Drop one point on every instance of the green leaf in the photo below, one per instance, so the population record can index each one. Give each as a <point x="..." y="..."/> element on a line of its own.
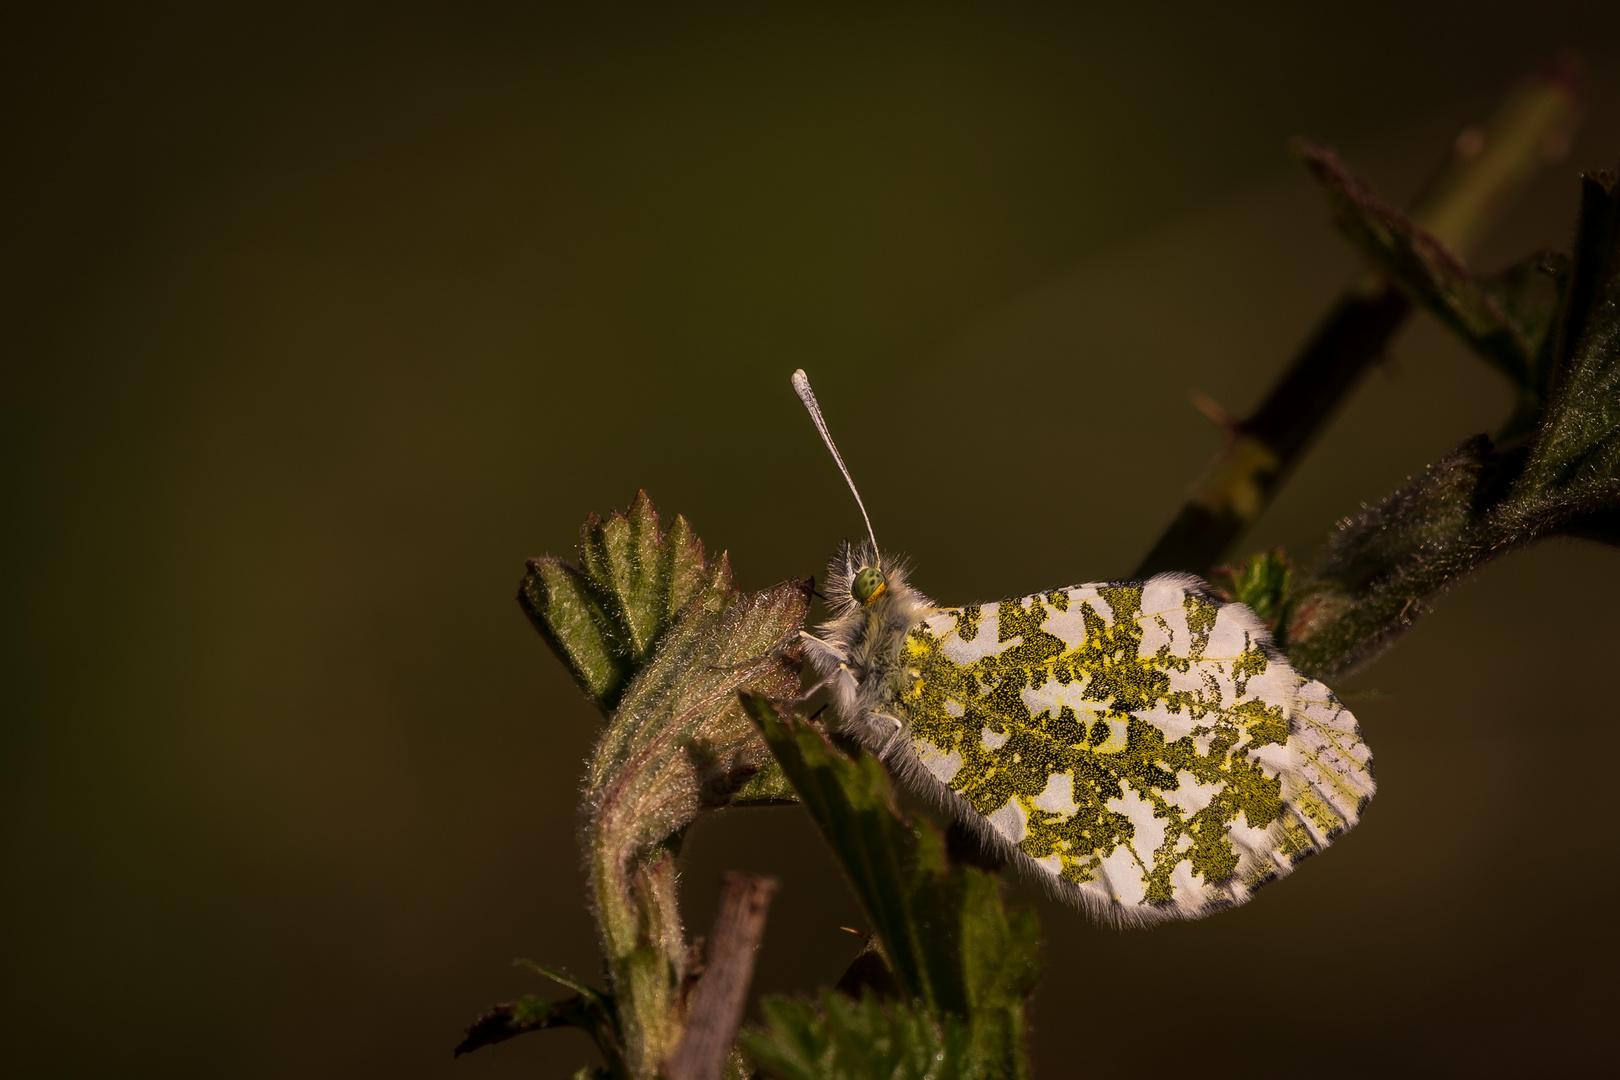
<point x="1580" y="438"/>
<point x="898" y="869"/>
<point x="588" y="1009"/>
<point x="1264" y="582"/>
<point x="535" y="1013"/>
<point x="605" y="617"/>
<point x="562" y="978"/>
<point x="526" y="1014"/>
<point x="1385" y="569"/>
<point x="1425" y="268"/>
<point x="768" y="787"/>
<point x="1378" y="575"/>
<point x="841" y="1038"/>
<point x="869" y="972"/>
<point x="1000" y="963"/>
<point x="1417" y="522"/>
<point x="949" y="942"/>
<point x="1530" y="293"/>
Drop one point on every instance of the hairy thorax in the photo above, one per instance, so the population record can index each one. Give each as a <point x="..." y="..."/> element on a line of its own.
<point x="867" y="679"/>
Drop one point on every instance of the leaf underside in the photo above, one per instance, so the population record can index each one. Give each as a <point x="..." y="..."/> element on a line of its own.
<point x="953" y="950"/>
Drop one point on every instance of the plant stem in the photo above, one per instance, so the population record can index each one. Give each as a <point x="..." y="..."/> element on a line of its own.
<point x="644" y="946"/>
<point x="722" y="993"/>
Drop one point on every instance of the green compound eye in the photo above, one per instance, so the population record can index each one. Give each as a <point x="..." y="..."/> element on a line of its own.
<point x="869" y="585"/>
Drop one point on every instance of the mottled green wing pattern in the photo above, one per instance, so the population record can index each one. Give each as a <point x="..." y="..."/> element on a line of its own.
<point x="1140" y="743"/>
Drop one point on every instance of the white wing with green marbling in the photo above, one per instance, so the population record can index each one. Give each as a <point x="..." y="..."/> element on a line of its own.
<point x="1140" y="743"/>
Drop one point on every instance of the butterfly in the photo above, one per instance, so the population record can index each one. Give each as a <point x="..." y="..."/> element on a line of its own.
<point x="1140" y="747"/>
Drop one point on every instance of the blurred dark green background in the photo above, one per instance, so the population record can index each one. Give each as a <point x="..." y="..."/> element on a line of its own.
<point x="319" y="320"/>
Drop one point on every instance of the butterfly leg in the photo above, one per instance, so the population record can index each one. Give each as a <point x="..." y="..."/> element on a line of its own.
<point x="827" y="654"/>
<point x="888" y="743"/>
<point x="841" y="672"/>
<point x="823" y="649"/>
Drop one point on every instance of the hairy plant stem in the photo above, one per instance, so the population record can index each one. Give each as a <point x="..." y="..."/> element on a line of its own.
<point x="643" y="944"/>
<point x="677" y="744"/>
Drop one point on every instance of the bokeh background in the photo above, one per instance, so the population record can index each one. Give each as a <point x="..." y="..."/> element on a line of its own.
<point x="320" y="319"/>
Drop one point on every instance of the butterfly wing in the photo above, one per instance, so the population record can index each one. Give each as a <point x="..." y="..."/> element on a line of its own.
<point x="1141" y="744"/>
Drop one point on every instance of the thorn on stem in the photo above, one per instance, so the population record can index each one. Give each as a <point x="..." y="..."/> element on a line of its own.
<point x="1217" y="413"/>
<point x="1469" y="142"/>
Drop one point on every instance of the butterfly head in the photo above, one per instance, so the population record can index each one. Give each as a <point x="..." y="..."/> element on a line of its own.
<point x="869" y="585"/>
<point x="861" y="579"/>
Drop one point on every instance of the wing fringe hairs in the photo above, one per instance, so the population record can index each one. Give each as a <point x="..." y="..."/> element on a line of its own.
<point x="1140" y="748"/>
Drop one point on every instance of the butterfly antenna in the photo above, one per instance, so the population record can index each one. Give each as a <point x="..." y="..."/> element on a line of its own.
<point x="801" y="386"/>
